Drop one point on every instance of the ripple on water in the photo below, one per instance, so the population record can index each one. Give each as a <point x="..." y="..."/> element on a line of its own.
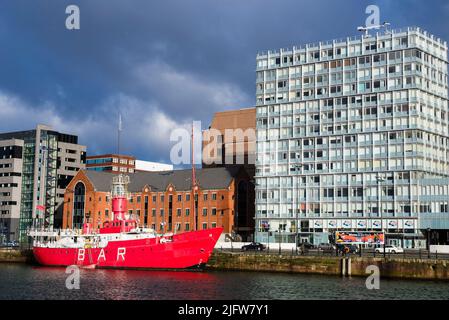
<point x="25" y="282"/>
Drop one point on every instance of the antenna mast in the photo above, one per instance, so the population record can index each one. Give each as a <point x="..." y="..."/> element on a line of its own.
<point x="367" y="28"/>
<point x="118" y="132"/>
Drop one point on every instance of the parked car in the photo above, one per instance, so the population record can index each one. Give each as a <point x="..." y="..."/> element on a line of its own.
<point x="10" y="244"/>
<point x="347" y="248"/>
<point x="254" y="246"/>
<point x="326" y="247"/>
<point x="307" y="245"/>
<point x="389" y="249"/>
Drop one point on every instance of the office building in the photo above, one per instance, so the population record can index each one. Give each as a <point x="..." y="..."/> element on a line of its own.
<point x="118" y="163"/>
<point x="35" y="168"/>
<point x="352" y="134"/>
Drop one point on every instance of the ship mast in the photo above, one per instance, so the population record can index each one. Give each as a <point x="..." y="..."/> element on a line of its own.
<point x="119" y="129"/>
<point x="195" y="222"/>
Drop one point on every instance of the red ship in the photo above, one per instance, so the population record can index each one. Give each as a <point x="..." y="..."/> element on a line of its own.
<point x="121" y="243"/>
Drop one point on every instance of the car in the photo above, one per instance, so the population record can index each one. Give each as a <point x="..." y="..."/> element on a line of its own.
<point x="326" y="247"/>
<point x="257" y="246"/>
<point x="307" y="245"/>
<point x="347" y="248"/>
<point x="389" y="249"/>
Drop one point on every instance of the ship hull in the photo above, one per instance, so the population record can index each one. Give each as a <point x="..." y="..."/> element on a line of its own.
<point x="190" y="250"/>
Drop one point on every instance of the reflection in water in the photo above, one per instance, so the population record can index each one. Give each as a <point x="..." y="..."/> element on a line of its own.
<point x="25" y="282"/>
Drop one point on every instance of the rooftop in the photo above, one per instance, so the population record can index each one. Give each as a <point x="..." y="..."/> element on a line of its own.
<point x="356" y="38"/>
<point x="207" y="178"/>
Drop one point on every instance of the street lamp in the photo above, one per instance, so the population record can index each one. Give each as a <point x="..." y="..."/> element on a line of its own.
<point x="379" y="207"/>
<point x="279" y="240"/>
<point x="297" y="166"/>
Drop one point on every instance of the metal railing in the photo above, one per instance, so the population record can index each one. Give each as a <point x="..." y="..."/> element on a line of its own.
<point x="274" y="249"/>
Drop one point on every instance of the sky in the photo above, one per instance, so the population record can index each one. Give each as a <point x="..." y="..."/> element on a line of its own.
<point x="161" y="64"/>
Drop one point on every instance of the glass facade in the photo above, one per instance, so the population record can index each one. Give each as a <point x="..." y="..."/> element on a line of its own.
<point x="26" y="206"/>
<point x="352" y="134"/>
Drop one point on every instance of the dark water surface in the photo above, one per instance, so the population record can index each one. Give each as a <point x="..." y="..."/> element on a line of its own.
<point x="19" y="281"/>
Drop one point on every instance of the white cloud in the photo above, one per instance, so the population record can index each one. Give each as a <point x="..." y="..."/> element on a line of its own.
<point x="146" y="129"/>
<point x="146" y="124"/>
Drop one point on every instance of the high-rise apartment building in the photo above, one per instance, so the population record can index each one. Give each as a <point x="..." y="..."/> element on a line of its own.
<point x="353" y="135"/>
<point x="35" y="168"/>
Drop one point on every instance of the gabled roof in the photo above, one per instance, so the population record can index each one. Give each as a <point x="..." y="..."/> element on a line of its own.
<point x="207" y="178"/>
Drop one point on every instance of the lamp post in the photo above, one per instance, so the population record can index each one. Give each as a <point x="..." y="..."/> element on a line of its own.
<point x="297" y="167"/>
<point x="279" y="240"/>
<point x="379" y="197"/>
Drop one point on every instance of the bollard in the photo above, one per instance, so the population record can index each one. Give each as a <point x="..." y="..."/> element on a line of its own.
<point x="343" y="266"/>
<point x="348" y="268"/>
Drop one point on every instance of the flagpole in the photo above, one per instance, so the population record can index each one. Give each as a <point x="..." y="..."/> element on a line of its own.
<point x="118" y="133"/>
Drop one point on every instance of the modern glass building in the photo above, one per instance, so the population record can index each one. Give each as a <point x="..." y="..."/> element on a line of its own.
<point x="35" y="168"/>
<point x="352" y="134"/>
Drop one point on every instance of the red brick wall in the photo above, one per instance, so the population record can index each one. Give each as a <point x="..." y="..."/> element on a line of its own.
<point x="96" y="204"/>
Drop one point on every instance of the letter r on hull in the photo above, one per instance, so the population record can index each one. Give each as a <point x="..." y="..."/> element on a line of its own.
<point x="121" y="253"/>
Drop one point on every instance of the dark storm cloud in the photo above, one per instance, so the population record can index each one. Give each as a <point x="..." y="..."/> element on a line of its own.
<point x="173" y="60"/>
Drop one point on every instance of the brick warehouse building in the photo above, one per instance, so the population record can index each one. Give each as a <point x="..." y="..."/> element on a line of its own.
<point x="157" y="197"/>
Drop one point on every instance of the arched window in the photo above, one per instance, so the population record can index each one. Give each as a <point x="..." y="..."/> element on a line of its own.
<point x="78" y="205"/>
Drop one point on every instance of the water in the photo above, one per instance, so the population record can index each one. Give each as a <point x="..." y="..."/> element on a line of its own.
<point x="19" y="281"/>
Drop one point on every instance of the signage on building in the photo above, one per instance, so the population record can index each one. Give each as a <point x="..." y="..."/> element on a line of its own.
<point x="359" y="237"/>
<point x="332" y="224"/>
<point x="361" y="224"/>
<point x="408" y="224"/>
<point x="392" y="224"/>
<point x="377" y="224"/>
<point x="346" y="224"/>
<point x="318" y="224"/>
<point x="265" y="225"/>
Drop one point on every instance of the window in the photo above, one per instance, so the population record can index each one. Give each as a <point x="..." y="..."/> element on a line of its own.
<point x="205" y="197"/>
<point x="178" y="212"/>
<point x="179" y="198"/>
<point x="214" y="196"/>
<point x="161" y="212"/>
<point x="187" y="227"/>
<point x="204" y="226"/>
<point x="153" y="212"/>
<point x="187" y="212"/>
<point x="214" y="211"/>
<point x="204" y="212"/>
<point x="187" y="197"/>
